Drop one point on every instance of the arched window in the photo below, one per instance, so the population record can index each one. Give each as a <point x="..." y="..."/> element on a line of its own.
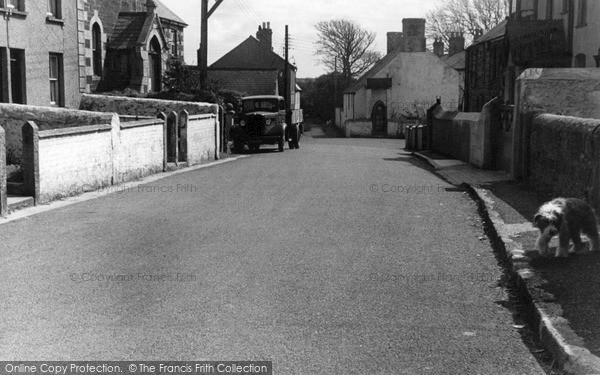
<point x="155" y="64"/>
<point x="580" y="61"/>
<point x="97" y="49"/>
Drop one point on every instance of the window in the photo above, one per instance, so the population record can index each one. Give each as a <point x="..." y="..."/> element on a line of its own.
<point x="565" y="6"/>
<point x="17" y="75"/>
<point x="56" y="79"/>
<point x="16" y="4"/>
<point x="580" y="61"/>
<point x="582" y="13"/>
<point x="97" y="49"/>
<point x="549" y="9"/>
<point x="175" y="49"/>
<point x="54" y="8"/>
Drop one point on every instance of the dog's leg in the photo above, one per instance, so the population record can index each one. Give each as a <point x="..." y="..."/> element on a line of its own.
<point x="590" y="230"/>
<point x="578" y="245"/>
<point x="562" y="251"/>
<point x="542" y="243"/>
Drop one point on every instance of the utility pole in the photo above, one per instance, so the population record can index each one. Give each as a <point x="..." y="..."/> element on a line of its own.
<point x="286" y="78"/>
<point x="203" y="50"/>
<point x="335" y="90"/>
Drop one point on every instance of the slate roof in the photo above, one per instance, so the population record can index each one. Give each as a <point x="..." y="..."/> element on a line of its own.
<point x="127" y="30"/>
<point x="497" y="32"/>
<point x="362" y="81"/>
<point x="164" y="12"/>
<point x="457" y="61"/>
<point x="250" y="54"/>
<point x="247" y="82"/>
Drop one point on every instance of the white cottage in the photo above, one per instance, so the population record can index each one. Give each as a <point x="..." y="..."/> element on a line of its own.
<point x="400" y="87"/>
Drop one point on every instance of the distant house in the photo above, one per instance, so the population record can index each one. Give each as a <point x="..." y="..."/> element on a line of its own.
<point x="400" y="87"/>
<point x="87" y="44"/>
<point x="253" y="68"/>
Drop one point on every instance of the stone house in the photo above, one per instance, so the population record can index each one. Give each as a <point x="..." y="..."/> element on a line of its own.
<point x="400" y="87"/>
<point x="538" y="34"/>
<point x="50" y="55"/>
<point x="252" y="68"/>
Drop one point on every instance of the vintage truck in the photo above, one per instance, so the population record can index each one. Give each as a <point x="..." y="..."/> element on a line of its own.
<point x="262" y="120"/>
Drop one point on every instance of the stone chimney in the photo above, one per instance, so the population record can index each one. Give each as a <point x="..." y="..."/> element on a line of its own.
<point x="438" y="47"/>
<point x="150" y="6"/>
<point x="413" y="32"/>
<point x="456" y="43"/>
<point x="394" y="41"/>
<point x="265" y="35"/>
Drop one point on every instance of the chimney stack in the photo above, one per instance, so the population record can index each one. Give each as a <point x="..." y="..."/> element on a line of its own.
<point x="394" y="41"/>
<point x="413" y="35"/>
<point x="265" y="35"/>
<point x="438" y="47"/>
<point x="456" y="43"/>
<point x="150" y="6"/>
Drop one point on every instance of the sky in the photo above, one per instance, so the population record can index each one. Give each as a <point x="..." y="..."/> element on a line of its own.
<point x="235" y="20"/>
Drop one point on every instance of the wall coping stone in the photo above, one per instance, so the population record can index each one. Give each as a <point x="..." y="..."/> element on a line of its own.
<point x="141" y="123"/>
<point x="74" y="130"/>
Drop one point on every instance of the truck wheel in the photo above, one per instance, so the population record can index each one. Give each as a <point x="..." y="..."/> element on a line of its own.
<point x="238" y="147"/>
<point x="281" y="144"/>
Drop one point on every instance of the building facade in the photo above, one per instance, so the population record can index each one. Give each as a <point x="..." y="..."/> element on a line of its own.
<point x="538" y="34"/>
<point x="403" y="84"/>
<point x="253" y="68"/>
<point x="52" y="51"/>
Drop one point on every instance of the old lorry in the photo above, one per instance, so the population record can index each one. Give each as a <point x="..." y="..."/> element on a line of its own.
<point x="264" y="119"/>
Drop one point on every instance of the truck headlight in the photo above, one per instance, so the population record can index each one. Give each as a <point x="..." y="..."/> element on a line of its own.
<point x="268" y="122"/>
<point x="242" y="123"/>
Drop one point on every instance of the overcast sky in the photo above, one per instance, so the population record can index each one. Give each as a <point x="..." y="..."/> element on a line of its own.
<point x="235" y="20"/>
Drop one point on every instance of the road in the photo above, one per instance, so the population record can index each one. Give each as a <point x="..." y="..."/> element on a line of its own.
<point x="347" y="256"/>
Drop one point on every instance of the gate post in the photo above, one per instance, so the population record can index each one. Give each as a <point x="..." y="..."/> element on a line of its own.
<point x="172" y="123"/>
<point x="182" y="130"/>
<point x="30" y="162"/>
<point x="163" y="117"/>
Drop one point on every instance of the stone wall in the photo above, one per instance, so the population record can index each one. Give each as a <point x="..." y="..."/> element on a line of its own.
<point x="138" y="149"/>
<point x="451" y="133"/>
<point x="567" y="92"/>
<point x="201" y="135"/>
<point x="564" y="156"/>
<point x="13" y="116"/>
<point x="143" y="107"/>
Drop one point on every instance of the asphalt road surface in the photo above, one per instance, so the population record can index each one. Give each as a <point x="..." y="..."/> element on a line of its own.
<point x="344" y="257"/>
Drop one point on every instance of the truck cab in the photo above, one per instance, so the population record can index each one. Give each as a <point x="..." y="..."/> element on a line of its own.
<point x="262" y="120"/>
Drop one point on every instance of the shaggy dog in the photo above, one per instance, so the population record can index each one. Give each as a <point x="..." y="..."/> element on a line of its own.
<point x="566" y="217"/>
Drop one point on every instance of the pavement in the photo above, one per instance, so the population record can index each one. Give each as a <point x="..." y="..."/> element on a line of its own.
<point x="564" y="292"/>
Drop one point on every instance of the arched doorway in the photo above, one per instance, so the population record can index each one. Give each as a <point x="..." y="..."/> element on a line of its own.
<point x="379" y="119"/>
<point x="155" y="65"/>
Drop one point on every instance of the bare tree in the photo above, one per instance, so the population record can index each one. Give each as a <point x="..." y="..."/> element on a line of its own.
<point x="468" y="16"/>
<point x="349" y="44"/>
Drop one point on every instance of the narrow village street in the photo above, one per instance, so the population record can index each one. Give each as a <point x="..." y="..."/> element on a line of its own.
<point x="347" y="256"/>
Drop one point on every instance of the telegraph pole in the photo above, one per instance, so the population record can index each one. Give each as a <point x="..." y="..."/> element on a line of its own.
<point x="203" y="50"/>
<point x="335" y="90"/>
<point x="286" y="71"/>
